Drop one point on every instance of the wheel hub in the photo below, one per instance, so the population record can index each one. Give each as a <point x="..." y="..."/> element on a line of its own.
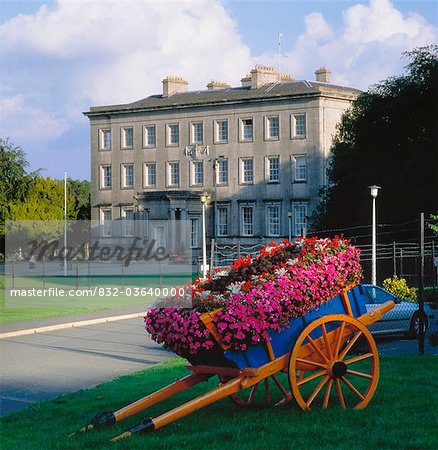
<point x="338" y="369"/>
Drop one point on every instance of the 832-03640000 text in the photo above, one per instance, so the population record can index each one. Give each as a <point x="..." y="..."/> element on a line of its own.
<point x="101" y="292"/>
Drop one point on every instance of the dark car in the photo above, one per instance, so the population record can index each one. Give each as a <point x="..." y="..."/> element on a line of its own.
<point x="404" y="318"/>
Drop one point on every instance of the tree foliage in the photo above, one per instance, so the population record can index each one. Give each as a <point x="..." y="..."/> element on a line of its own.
<point x="82" y="193"/>
<point x="388" y="137"/>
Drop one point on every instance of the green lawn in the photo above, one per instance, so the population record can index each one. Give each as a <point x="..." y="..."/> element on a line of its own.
<point x="400" y="416"/>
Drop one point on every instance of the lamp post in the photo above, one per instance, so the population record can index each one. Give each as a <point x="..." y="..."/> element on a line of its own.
<point x="289" y="218"/>
<point x="204" y="200"/>
<point x="374" y="192"/>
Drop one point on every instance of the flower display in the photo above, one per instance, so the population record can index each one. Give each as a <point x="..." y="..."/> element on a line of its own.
<point x="257" y="295"/>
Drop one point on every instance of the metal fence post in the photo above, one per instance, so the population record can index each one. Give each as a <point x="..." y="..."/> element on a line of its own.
<point x="421" y="290"/>
<point x="394" y="259"/>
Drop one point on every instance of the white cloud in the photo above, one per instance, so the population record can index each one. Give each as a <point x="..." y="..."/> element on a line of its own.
<point x="364" y="49"/>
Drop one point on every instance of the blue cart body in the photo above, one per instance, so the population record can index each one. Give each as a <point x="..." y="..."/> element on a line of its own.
<point x="283" y="342"/>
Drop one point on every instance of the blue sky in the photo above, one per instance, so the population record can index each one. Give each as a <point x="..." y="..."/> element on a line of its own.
<point x="61" y="57"/>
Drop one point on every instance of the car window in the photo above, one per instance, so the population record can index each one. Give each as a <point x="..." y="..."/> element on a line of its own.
<point x="378" y="295"/>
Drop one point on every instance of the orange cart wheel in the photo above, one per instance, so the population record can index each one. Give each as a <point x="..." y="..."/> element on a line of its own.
<point x="338" y="361"/>
<point x="271" y="391"/>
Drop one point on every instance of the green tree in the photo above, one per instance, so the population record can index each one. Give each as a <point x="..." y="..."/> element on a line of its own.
<point x="434" y="225"/>
<point x="389" y="138"/>
<point x="82" y="193"/>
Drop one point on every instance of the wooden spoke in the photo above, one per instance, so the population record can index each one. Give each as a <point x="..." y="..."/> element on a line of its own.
<point x="267" y="393"/>
<point x="350" y="345"/>
<point x="352" y="388"/>
<point x="338" y="340"/>
<point x="360" y="374"/>
<point x="311" y="377"/>
<point x="251" y="395"/>
<point x="311" y="363"/>
<point x="340" y="394"/>
<point x="326" y="343"/>
<point x="316" y="348"/>
<point x="316" y="391"/>
<point x="280" y="386"/>
<point x="327" y="393"/>
<point x="358" y="358"/>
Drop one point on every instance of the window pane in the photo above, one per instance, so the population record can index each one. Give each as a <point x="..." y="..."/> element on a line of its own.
<point x="128" y="137"/>
<point x="300" y="168"/>
<point x="151" y="174"/>
<point x="273" y="220"/>
<point x="198" y="172"/>
<point x="247" y="129"/>
<point x="194" y="233"/>
<point x="106" y="222"/>
<point x="106" y="139"/>
<point x="222" y="221"/>
<point x="174" y="134"/>
<point x="150" y="136"/>
<point x="128" y="222"/>
<point x="222" y="171"/>
<point x="300" y="125"/>
<point x="222" y="130"/>
<point x="273" y="127"/>
<point x="128" y="175"/>
<point x="198" y="133"/>
<point x="174" y="173"/>
<point x="247" y="220"/>
<point x="300" y="213"/>
<point x="106" y="174"/>
<point x="273" y="169"/>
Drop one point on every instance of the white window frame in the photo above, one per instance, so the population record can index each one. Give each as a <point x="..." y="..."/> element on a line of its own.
<point x="219" y="182"/>
<point x="146" y="136"/>
<point x="146" y="174"/>
<point x="170" y="164"/>
<point x="242" y="137"/>
<point x="298" y="225"/>
<point x="269" y="171"/>
<point x="107" y="230"/>
<point x="217" y="137"/>
<point x="194" y="173"/>
<point x="102" y="177"/>
<point x="194" y="232"/>
<point x="128" y="225"/>
<point x="268" y="135"/>
<point x="299" y="170"/>
<point x="243" y="207"/>
<point x="124" y="145"/>
<point x="296" y="134"/>
<point x="226" y="208"/>
<point x="103" y="141"/>
<point x="169" y="142"/>
<point x="270" y="225"/>
<point x="124" y="176"/>
<point x="243" y="171"/>
<point x="194" y="139"/>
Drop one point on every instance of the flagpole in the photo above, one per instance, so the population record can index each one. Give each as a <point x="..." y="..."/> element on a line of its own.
<point x="280" y="35"/>
<point x="65" y="224"/>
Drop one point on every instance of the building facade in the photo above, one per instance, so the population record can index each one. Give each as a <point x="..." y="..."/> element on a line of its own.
<point x="258" y="153"/>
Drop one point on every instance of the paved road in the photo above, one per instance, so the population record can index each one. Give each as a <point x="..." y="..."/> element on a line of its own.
<point x="42" y="366"/>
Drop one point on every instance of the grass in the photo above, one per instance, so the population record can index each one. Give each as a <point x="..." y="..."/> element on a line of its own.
<point x="19" y="309"/>
<point x="400" y="416"/>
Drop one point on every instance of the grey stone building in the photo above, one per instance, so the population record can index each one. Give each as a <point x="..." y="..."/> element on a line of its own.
<point x="258" y="152"/>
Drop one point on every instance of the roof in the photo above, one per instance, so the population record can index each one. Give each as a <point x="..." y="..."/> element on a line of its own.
<point x="268" y="92"/>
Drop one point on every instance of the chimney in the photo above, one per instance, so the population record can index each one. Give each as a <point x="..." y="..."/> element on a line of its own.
<point x="262" y="75"/>
<point x="174" y="85"/>
<point x="323" y="75"/>
<point x="246" y="80"/>
<point x="214" y="85"/>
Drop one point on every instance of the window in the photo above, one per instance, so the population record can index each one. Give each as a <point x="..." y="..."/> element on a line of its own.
<point x="106" y="222"/>
<point x="150" y="136"/>
<point x="299" y="125"/>
<point x="173" y="173"/>
<point x="222" y="221"/>
<point x="173" y="134"/>
<point x="222" y="171"/>
<point x="273" y="220"/>
<point x="247" y="220"/>
<point x="128" y="221"/>
<point x="194" y="233"/>
<point x="299" y="211"/>
<point x="105" y="139"/>
<point x="106" y="177"/>
<point x="197" y="133"/>
<point x="127" y="137"/>
<point x="221" y="131"/>
<point x="300" y="168"/>
<point x="273" y="169"/>
<point x="247" y="170"/>
<point x="150" y="174"/>
<point x="272" y="128"/>
<point x="127" y="176"/>
<point x="197" y="175"/>
<point x="246" y="130"/>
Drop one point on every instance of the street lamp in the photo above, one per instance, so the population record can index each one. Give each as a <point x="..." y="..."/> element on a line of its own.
<point x="289" y="217"/>
<point x="374" y="192"/>
<point x="204" y="199"/>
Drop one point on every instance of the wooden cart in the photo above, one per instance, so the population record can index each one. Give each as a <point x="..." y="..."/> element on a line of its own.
<point x="328" y="356"/>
